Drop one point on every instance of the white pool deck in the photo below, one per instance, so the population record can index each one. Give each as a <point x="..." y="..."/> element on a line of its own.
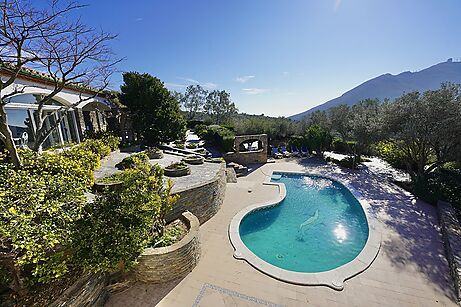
<point x="409" y="270"/>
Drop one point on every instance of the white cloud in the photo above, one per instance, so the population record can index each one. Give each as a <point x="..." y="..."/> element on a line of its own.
<point x="210" y="85"/>
<point x="175" y="85"/>
<point x="337" y="5"/>
<point x="190" y="80"/>
<point x="206" y="85"/>
<point x="286" y="73"/>
<point x="255" y="91"/>
<point x="139" y="19"/>
<point x="244" y="79"/>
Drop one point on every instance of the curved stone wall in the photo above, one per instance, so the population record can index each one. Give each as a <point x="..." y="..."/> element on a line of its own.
<point x="158" y="265"/>
<point x="202" y="200"/>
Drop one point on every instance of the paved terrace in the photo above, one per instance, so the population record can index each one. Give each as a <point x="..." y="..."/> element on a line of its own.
<point x="410" y="269"/>
<point x="200" y="174"/>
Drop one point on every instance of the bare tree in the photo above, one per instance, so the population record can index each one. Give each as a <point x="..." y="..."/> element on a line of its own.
<point x="50" y="40"/>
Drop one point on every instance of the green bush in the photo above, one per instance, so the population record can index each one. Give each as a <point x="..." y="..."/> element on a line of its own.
<point x="95" y="146"/>
<point x="191" y="146"/>
<point x="76" y="163"/>
<point x="347" y="162"/>
<point x="390" y="153"/>
<point x="133" y="160"/>
<point x="37" y="212"/>
<point x="227" y="143"/>
<point x="440" y="185"/>
<point x="338" y="145"/>
<point x="118" y="225"/>
<point x="179" y="145"/>
<point x="108" y="138"/>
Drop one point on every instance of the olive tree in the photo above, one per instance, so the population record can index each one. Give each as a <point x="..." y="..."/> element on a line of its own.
<point x="365" y="125"/>
<point x="219" y="106"/>
<point x="318" y="139"/>
<point x="427" y="128"/>
<point x="193" y="100"/>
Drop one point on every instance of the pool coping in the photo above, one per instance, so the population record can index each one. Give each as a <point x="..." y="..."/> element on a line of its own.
<point x="334" y="278"/>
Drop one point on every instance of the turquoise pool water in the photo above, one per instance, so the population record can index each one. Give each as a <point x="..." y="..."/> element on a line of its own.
<point x="319" y="226"/>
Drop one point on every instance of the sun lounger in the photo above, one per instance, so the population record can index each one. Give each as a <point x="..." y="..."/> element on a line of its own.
<point x="295" y="152"/>
<point x="283" y="150"/>
<point x="304" y="151"/>
<point x="275" y="153"/>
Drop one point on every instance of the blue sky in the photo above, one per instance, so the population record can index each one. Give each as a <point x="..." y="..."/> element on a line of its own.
<point x="278" y="57"/>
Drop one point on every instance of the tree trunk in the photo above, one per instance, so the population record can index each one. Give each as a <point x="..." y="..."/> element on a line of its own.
<point x="9" y="142"/>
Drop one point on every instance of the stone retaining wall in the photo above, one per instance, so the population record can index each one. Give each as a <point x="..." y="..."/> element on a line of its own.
<point x="203" y="200"/>
<point x="451" y="233"/>
<point x="159" y="265"/>
<point x="88" y="290"/>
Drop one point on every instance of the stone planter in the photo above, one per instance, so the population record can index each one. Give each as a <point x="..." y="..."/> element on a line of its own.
<point x="194" y="160"/>
<point x="163" y="264"/>
<point x="177" y="172"/>
<point x="100" y="186"/>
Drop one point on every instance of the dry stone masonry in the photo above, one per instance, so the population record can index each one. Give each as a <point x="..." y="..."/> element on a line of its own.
<point x="451" y="233"/>
<point x="159" y="265"/>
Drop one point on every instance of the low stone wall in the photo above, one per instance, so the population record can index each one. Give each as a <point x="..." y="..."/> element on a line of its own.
<point x="451" y="233"/>
<point x="241" y="156"/>
<point x="88" y="290"/>
<point x="203" y="200"/>
<point x="159" y="265"/>
<point x="246" y="158"/>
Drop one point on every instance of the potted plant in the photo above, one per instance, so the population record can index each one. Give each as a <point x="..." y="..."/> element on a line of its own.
<point x="133" y="160"/>
<point x="177" y="169"/>
<point x="112" y="182"/>
<point x="154" y="153"/>
<point x="193" y="159"/>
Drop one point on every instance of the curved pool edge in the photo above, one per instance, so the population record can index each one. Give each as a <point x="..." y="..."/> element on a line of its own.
<point x="334" y="278"/>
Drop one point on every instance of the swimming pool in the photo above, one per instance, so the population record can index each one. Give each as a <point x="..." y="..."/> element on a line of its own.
<point x="318" y="232"/>
<point x="319" y="226"/>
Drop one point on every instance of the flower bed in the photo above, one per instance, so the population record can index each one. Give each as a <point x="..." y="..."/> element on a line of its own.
<point x="154" y="153"/>
<point x="163" y="264"/>
<point x="194" y="160"/>
<point x="177" y="169"/>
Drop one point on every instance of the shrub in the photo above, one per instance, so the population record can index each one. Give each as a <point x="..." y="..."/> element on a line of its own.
<point x="77" y="164"/>
<point x="191" y="146"/>
<point x="390" y="153"/>
<point x="133" y="160"/>
<point x="442" y="184"/>
<point x="179" y="145"/>
<point x="118" y="225"/>
<point x="95" y="146"/>
<point x="347" y="162"/>
<point x="108" y="138"/>
<point x="341" y="146"/>
<point x="37" y="213"/>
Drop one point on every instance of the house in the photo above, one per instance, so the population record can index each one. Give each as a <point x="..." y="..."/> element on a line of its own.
<point x="82" y="116"/>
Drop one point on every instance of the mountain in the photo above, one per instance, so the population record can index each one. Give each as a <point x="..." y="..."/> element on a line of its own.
<point x="393" y="86"/>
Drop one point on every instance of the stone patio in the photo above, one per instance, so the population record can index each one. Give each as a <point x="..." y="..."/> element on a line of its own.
<point x="410" y="269"/>
<point x="199" y="173"/>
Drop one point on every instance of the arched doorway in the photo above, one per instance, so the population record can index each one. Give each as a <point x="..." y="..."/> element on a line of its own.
<point x="22" y="115"/>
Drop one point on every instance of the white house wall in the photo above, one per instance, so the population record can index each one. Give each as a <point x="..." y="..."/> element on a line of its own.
<point x="66" y="96"/>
